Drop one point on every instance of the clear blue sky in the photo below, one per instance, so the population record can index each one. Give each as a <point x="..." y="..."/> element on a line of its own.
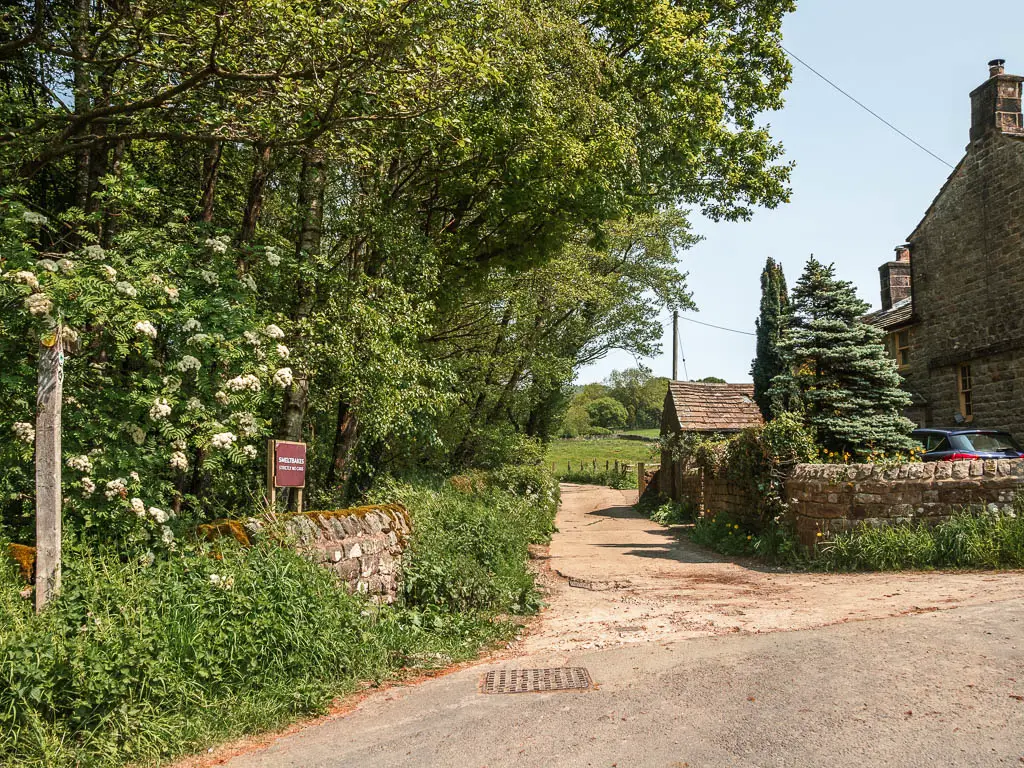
<point x="858" y="188"/>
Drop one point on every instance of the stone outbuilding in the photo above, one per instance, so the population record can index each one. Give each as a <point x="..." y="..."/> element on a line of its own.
<point x="703" y="409"/>
<point x="953" y="297"/>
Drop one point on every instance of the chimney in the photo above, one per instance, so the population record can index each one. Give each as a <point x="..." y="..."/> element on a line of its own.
<point x="996" y="104"/>
<point x="895" y="277"/>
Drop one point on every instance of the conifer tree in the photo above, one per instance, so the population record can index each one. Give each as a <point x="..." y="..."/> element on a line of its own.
<point x="848" y="385"/>
<point x="771" y="323"/>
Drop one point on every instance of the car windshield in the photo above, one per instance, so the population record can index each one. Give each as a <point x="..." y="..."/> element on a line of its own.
<point x="990" y="441"/>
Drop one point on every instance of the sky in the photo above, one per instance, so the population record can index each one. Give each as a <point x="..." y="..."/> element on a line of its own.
<point x="859" y="189"/>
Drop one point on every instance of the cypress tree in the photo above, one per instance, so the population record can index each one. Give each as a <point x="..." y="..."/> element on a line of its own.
<point x="848" y="385"/>
<point x="771" y="323"/>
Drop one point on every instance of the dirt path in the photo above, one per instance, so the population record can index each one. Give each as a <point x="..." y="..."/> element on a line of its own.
<point x="615" y="577"/>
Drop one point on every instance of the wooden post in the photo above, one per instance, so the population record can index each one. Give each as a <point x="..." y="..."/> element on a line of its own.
<point x="595" y="465"/>
<point x="606" y="463"/>
<point x="640" y="477"/>
<point x="298" y="500"/>
<point x="568" y="465"/>
<point x="49" y="394"/>
<point x="616" y="465"/>
<point x="271" y="485"/>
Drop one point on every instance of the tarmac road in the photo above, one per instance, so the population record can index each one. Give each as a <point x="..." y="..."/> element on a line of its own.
<point x="699" y="661"/>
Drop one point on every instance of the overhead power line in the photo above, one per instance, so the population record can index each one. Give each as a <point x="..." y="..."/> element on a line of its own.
<point x="866" y="108"/>
<point x="719" y="327"/>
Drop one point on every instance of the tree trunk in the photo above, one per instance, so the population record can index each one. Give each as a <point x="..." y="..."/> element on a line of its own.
<point x="346" y="435"/>
<point x="81" y="88"/>
<point x="257" y="185"/>
<point x="211" y="165"/>
<point x="112" y="215"/>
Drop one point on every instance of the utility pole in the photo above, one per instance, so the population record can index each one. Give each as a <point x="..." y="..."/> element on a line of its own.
<point x="49" y="394"/>
<point x="675" y="345"/>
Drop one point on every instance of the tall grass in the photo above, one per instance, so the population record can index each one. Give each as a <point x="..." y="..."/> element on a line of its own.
<point x="140" y="662"/>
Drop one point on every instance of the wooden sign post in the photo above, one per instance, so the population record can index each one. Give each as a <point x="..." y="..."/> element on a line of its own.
<point x="286" y="468"/>
<point x="49" y="394"/>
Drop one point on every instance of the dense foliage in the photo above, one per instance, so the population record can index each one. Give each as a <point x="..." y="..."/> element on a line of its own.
<point x="640" y="394"/>
<point x="391" y="229"/>
<point x="145" y="659"/>
<point x="838" y="371"/>
<point x="771" y="322"/>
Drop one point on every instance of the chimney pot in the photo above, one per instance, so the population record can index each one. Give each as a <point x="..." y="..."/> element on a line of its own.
<point x="903" y="253"/>
<point x="996" y="67"/>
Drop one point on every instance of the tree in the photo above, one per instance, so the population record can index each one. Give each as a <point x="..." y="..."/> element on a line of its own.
<point x="848" y="386"/>
<point x="607" y="412"/>
<point x="711" y="380"/>
<point x="771" y="324"/>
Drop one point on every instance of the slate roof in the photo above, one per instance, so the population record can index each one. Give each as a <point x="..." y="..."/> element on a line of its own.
<point x="713" y="407"/>
<point x="890" y="319"/>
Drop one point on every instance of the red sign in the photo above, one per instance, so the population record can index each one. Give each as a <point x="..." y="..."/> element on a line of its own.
<point x="289" y="465"/>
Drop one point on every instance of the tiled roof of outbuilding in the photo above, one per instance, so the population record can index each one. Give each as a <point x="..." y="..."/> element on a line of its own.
<point x="704" y="407"/>
<point x="887" y="319"/>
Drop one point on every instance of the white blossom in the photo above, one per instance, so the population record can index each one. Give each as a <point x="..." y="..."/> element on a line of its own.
<point x="249" y="283"/>
<point x="137" y="434"/>
<point x="80" y="463"/>
<point x="283" y="352"/>
<point x="189" y="363"/>
<point x="147" y="559"/>
<point x="198" y="339"/>
<point x="109" y="272"/>
<point x="138" y="507"/>
<point x="37" y="304"/>
<point x="28" y="278"/>
<point x="24" y="431"/>
<point x="66" y="265"/>
<point x="246" y="381"/>
<point x="36" y="219"/>
<point x="222" y="440"/>
<point x="70" y="337"/>
<point x="283" y="377"/>
<point x="249" y="451"/>
<point x="172" y="293"/>
<point x="179" y="461"/>
<point x="88" y="486"/>
<point x="222" y="397"/>
<point x="154" y="279"/>
<point x="209" y="277"/>
<point x="116" y="487"/>
<point x="218" y="244"/>
<point x="273" y="332"/>
<point x="167" y="536"/>
<point x="222" y="582"/>
<point x="48" y="264"/>
<point x="134" y="476"/>
<point x="191" y="325"/>
<point x="127" y="289"/>
<point x="178" y="444"/>
<point x="247" y="424"/>
<point x="273" y="257"/>
<point x="161" y="409"/>
<point x="94" y="251"/>
<point x="252" y="337"/>
<point x="146" y="328"/>
<point x="158" y="514"/>
<point x="194" y="404"/>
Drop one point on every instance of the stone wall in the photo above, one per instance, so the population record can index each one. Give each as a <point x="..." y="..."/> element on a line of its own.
<point x="711" y="495"/>
<point x="832" y="498"/>
<point x="363" y="546"/>
<point x="967" y="262"/>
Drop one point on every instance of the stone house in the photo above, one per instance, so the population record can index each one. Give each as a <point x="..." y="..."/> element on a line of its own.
<point x="703" y="409"/>
<point x="953" y="297"/>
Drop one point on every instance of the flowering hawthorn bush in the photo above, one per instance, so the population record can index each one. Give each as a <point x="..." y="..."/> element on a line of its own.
<point x="171" y="371"/>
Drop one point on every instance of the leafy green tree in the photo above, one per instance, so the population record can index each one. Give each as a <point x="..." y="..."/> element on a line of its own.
<point x="771" y="323"/>
<point x="848" y="386"/>
<point x="607" y="412"/>
<point x="711" y="380"/>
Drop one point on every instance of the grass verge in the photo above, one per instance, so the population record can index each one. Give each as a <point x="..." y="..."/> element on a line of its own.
<point x="141" y="661"/>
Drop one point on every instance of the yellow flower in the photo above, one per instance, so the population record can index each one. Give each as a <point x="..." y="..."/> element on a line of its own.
<point x="819" y="534"/>
<point x="736" y="527"/>
<point x="749" y="538"/>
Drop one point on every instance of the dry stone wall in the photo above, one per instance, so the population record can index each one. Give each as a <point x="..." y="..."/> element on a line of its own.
<point x="831" y="498"/>
<point x="363" y="546"/>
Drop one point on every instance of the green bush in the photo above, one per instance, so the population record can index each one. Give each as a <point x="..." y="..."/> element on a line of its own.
<point x="672" y="513"/>
<point x="142" y="660"/>
<point x="774" y="543"/>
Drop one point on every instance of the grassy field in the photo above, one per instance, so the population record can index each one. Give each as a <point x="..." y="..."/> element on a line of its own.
<point x="561" y="452"/>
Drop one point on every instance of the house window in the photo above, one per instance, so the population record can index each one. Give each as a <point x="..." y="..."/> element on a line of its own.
<point x="966" y="393"/>
<point x="902" y="345"/>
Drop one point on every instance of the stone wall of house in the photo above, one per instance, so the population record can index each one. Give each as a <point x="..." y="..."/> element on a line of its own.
<point x="967" y="261"/>
<point x="363" y="546"/>
<point x="830" y="498"/>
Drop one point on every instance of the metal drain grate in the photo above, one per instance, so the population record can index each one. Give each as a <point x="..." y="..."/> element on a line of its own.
<point x="536" y="680"/>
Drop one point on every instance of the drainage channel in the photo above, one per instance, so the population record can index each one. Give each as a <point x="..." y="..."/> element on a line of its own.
<point x="551" y="680"/>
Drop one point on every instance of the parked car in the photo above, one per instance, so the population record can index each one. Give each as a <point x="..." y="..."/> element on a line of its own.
<point x="957" y="444"/>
